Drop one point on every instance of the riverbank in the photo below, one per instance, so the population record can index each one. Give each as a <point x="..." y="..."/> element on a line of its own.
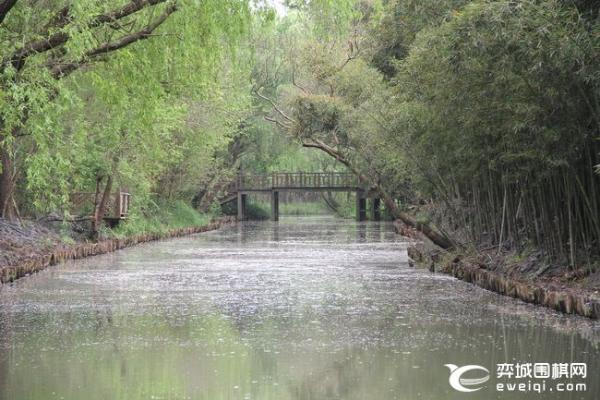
<point x="28" y="247"/>
<point x="524" y="278"/>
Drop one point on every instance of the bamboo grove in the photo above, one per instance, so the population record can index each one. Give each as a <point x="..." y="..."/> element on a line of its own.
<point x="484" y="112"/>
<point x="514" y="124"/>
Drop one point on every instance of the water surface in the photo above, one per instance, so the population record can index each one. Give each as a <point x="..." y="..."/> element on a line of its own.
<point x="307" y="308"/>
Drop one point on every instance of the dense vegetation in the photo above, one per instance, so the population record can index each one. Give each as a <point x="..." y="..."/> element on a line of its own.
<point x="485" y="114"/>
<point x="99" y="95"/>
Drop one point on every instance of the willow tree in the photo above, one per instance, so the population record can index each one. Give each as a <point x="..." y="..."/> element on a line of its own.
<point x="49" y="48"/>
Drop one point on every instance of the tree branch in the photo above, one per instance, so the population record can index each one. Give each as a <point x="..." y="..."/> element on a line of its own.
<point x="295" y="83"/>
<point x="5" y="7"/>
<point x="60" y="70"/>
<point x="318" y="144"/>
<point x="277" y="122"/>
<point x="18" y="58"/>
<point x="131" y="8"/>
<point x="134" y="37"/>
<point x="275" y="107"/>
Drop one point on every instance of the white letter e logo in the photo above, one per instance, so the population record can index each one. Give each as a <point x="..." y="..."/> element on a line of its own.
<point x="459" y="383"/>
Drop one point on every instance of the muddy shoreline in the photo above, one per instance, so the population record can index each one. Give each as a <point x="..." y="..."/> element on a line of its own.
<point x="60" y="253"/>
<point x="560" y="296"/>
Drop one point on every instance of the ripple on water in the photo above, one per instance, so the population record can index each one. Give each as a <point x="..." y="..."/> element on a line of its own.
<point x="321" y="307"/>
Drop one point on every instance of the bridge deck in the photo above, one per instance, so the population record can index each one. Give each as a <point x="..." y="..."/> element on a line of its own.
<point x="321" y="181"/>
<point x="299" y="181"/>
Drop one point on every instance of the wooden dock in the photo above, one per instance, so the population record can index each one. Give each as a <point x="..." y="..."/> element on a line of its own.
<point x="117" y="206"/>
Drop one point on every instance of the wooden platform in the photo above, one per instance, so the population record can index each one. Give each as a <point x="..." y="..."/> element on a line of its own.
<point x="117" y="207"/>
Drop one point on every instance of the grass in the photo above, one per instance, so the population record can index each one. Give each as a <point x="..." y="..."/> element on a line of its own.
<point x="308" y="208"/>
<point x="160" y="219"/>
<point x="258" y="211"/>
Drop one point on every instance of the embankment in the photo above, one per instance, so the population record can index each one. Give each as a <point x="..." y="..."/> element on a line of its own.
<point x="560" y="296"/>
<point x="61" y="253"/>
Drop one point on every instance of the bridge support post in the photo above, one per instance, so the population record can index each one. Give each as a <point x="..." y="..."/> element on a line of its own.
<point x="274" y="205"/>
<point x="361" y="206"/>
<point x="376" y="209"/>
<point x="241" y="206"/>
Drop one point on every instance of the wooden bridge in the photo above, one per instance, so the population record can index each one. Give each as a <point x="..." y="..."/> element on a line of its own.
<point x="300" y="182"/>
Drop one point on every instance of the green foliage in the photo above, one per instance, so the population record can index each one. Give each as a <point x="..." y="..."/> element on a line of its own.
<point x="258" y="145"/>
<point x="504" y="93"/>
<point x="346" y="205"/>
<point x="392" y="36"/>
<point x="318" y="115"/>
<point x="160" y="218"/>
<point x="327" y="16"/>
<point x="303" y="208"/>
<point x="153" y="115"/>
<point x="525" y="69"/>
<point x="258" y="211"/>
<point x="485" y="111"/>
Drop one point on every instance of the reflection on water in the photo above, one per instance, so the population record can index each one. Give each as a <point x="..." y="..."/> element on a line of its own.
<point x="307" y="308"/>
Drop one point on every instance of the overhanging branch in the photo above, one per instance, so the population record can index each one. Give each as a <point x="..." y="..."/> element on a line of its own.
<point x="134" y="37"/>
<point x="277" y="122"/>
<point x="274" y="105"/>
<point x="433" y="234"/>
<point x="5" y="7"/>
<point x="60" y="69"/>
<point x="18" y="58"/>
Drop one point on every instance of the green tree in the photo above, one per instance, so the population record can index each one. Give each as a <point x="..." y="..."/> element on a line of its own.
<point x="61" y="55"/>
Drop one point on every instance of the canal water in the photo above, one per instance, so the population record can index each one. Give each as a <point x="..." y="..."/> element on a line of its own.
<point x="306" y="308"/>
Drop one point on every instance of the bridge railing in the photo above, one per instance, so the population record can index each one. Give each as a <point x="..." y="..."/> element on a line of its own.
<point x="254" y="182"/>
<point x="117" y="206"/>
<point x="297" y="180"/>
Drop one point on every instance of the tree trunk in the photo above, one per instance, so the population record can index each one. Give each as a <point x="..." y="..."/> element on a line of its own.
<point x="101" y="206"/>
<point x="331" y="203"/>
<point x="7" y="184"/>
<point x="436" y="237"/>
